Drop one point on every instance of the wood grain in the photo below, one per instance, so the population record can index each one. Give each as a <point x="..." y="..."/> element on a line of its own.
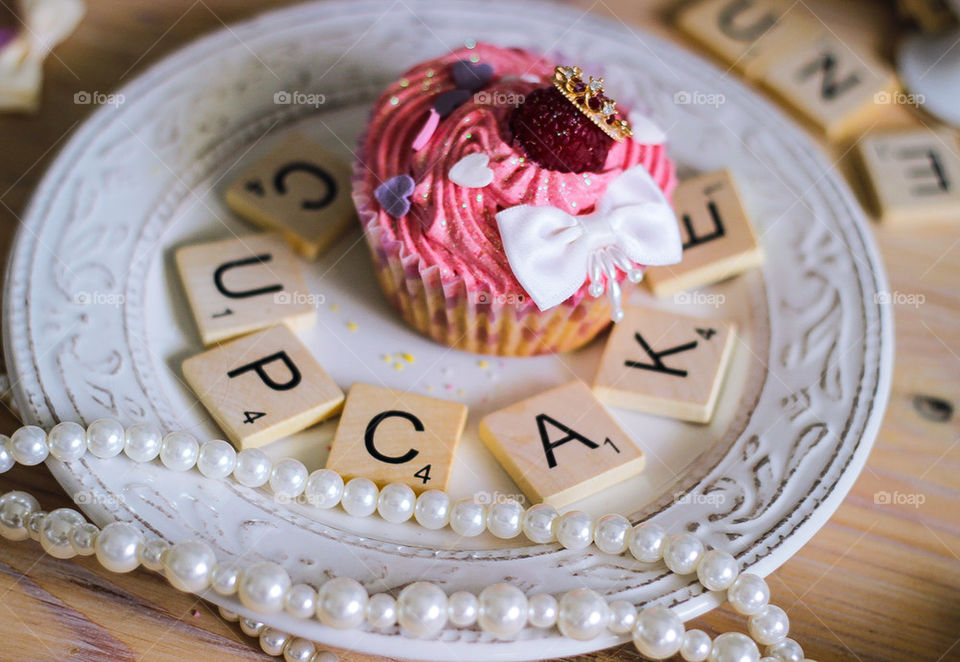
<point x="877" y="583"/>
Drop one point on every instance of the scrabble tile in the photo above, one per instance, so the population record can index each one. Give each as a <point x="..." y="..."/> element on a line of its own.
<point x="240" y="285"/>
<point x="299" y="189"/>
<point x="747" y="34"/>
<point x="666" y="364"/>
<point x="834" y="88"/>
<point x="262" y="387"/>
<point x="391" y="436"/>
<point x="913" y="175"/>
<point x="718" y="240"/>
<point x="561" y="446"/>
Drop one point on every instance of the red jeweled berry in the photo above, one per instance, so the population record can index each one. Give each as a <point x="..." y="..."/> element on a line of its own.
<point x="555" y="134"/>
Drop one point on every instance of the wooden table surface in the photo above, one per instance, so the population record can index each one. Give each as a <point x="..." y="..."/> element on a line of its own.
<point x="878" y="582"/>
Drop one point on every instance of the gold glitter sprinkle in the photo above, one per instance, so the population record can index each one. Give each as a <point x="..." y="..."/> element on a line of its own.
<point x="483" y="364"/>
<point x="409" y="358"/>
<point x="470" y="43"/>
<point x="352" y="326"/>
<point x="387" y="358"/>
<point x="398" y="366"/>
<point x="404" y="82"/>
<point x="426" y="86"/>
<point x="394" y="100"/>
<point x="469" y="136"/>
<point x="479" y="197"/>
<point x="474" y="58"/>
<point x="429" y="73"/>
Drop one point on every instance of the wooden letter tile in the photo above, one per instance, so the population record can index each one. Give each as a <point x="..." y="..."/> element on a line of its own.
<point x="241" y="285"/>
<point x="832" y="87"/>
<point x="299" y="189"/>
<point x="913" y="175"/>
<point x="747" y="34"/>
<point x="665" y="364"/>
<point x="262" y="387"/>
<point x="391" y="436"/>
<point x="561" y="445"/>
<point x="718" y="240"/>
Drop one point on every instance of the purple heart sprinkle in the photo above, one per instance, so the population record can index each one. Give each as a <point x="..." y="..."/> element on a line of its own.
<point x="6" y="35"/>
<point x="394" y="195"/>
<point x="470" y="76"/>
<point x="447" y="102"/>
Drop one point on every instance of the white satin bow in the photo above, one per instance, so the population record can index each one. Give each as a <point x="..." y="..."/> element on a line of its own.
<point x="552" y="252"/>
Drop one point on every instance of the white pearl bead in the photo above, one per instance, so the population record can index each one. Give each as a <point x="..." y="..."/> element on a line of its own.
<point x="734" y="647"/>
<point x="228" y="616"/>
<point x="682" y="553"/>
<point x="583" y="614"/>
<point x="151" y="554"/>
<point x="422" y="609"/>
<point x="67" y="441"/>
<point x="787" y="650"/>
<point x="142" y="442"/>
<point x="299" y="650"/>
<point x="467" y="517"/>
<point x="658" y="633"/>
<point x="717" y="570"/>
<point x="543" y="610"/>
<point x="463" y="609"/>
<point x="250" y="627"/>
<point x="360" y="497"/>
<point x="647" y="542"/>
<point x="29" y="445"/>
<point x="748" y="594"/>
<point x="262" y="587"/>
<point x="575" y="530"/>
<point x="55" y="532"/>
<point x="288" y="478"/>
<point x="6" y="454"/>
<point x="503" y="610"/>
<point x="538" y="523"/>
<point x="217" y="459"/>
<point x="300" y="601"/>
<point x="15" y="508"/>
<point x="225" y="578"/>
<point x="505" y="519"/>
<point x="273" y="641"/>
<point x="187" y="566"/>
<point x="696" y="646"/>
<point x="179" y="451"/>
<point x="253" y="468"/>
<point x="83" y="537"/>
<point x="769" y="625"/>
<point x="612" y="534"/>
<point x="324" y="488"/>
<point x="396" y="502"/>
<point x="622" y="618"/>
<point x="105" y="437"/>
<point x="381" y="612"/>
<point x="34" y="522"/>
<point x="118" y="545"/>
<point x="342" y="603"/>
<point x="433" y="509"/>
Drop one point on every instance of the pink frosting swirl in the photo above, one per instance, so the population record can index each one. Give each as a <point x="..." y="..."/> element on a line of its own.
<point x="452" y="227"/>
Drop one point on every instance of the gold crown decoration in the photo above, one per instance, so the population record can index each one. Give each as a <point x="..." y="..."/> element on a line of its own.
<point x="590" y="100"/>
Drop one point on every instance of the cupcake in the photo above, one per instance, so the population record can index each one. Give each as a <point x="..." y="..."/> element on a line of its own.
<point x="501" y="196"/>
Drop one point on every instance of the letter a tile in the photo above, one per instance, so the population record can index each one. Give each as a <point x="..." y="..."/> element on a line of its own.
<point x="561" y="446"/>
<point x="391" y="436"/>
<point x="666" y="364"/>
<point x="244" y="284"/>
<point x="262" y="387"/>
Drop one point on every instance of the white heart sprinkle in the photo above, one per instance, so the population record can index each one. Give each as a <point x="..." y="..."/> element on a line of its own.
<point x="471" y="171"/>
<point x="645" y="131"/>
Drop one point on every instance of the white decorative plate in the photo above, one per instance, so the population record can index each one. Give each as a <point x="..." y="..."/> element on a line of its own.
<point x="96" y="323"/>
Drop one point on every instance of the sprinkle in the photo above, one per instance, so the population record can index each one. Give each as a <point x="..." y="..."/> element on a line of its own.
<point x="430" y="387"/>
<point x="387" y="358"/>
<point x="469" y="136"/>
<point x="449" y="387"/>
<point x="404" y="82"/>
<point x="474" y="58"/>
<point x="470" y="43"/>
<point x="483" y="364"/>
<point x="409" y="358"/>
<point x="460" y="391"/>
<point x="352" y="326"/>
<point x="334" y="307"/>
<point x="479" y="197"/>
<point x="394" y="100"/>
<point x="398" y="366"/>
<point x="429" y="73"/>
<point x="195" y="613"/>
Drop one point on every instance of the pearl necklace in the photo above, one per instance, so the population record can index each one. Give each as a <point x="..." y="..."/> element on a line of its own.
<point x="421" y="609"/>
